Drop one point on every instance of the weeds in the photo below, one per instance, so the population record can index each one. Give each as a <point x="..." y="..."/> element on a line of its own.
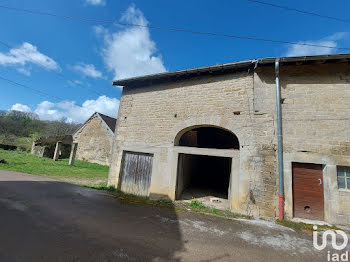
<point x="194" y="205"/>
<point x="132" y="198"/>
<point x="166" y="201"/>
<point x="302" y="226"/>
<point x="197" y="204"/>
<point x="215" y="211"/>
<point x="104" y="187"/>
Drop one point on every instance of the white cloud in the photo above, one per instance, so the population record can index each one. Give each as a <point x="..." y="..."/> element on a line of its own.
<point x="95" y="2"/>
<point x="77" y="82"/>
<point x="88" y="70"/>
<point x="99" y="30"/>
<point x="21" y="107"/>
<point x="329" y="41"/>
<point x="72" y="112"/>
<point x="131" y="52"/>
<point x="24" y="71"/>
<point x="27" y="54"/>
<point x="45" y="111"/>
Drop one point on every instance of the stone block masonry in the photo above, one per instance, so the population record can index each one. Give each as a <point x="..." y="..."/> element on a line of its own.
<point x="94" y="142"/>
<point x="315" y="116"/>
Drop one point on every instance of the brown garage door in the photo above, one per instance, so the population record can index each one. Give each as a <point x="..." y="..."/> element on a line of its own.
<point x="136" y="173"/>
<point x="308" y="191"/>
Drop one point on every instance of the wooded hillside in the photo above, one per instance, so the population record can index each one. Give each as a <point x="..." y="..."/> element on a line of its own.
<point x="21" y="128"/>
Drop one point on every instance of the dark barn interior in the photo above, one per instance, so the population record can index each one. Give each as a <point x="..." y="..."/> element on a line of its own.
<point x="209" y="137"/>
<point x="201" y="176"/>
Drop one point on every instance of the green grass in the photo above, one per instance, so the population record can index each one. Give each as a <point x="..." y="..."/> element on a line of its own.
<point x="166" y="201"/>
<point x="82" y="173"/>
<point x="23" y="143"/>
<point x="197" y="204"/>
<point x="302" y="226"/>
<point x="103" y="186"/>
<point x="133" y="199"/>
<point x="215" y="211"/>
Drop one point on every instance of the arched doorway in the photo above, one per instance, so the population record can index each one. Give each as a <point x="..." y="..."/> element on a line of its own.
<point x="205" y="176"/>
<point x="207" y="137"/>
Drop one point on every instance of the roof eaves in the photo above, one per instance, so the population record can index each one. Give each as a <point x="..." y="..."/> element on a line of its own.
<point x="228" y="66"/>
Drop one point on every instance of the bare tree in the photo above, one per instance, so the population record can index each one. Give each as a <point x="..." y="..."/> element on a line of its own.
<point x="58" y="128"/>
<point x="18" y="115"/>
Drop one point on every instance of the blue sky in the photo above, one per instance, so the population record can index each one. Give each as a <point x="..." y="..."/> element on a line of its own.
<point x="75" y="62"/>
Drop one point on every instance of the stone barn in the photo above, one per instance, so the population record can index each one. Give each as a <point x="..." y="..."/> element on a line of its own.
<point x="265" y="137"/>
<point x="94" y="139"/>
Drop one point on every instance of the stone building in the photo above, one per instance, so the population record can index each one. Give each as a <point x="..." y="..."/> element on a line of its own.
<point x="94" y="139"/>
<point x="211" y="133"/>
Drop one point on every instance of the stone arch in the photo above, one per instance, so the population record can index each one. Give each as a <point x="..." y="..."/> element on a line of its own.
<point x="207" y="136"/>
<point x="235" y="127"/>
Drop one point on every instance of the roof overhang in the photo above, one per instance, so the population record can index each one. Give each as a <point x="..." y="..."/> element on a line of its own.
<point x="65" y="139"/>
<point x="227" y="68"/>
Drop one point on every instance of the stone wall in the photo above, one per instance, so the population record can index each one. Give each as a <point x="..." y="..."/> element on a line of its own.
<point x="94" y="142"/>
<point x="315" y="111"/>
<point x="316" y="121"/>
<point x="150" y="118"/>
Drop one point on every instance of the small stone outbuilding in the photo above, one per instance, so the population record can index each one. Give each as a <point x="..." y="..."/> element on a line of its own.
<point x="94" y="139"/>
<point x="211" y="133"/>
<point x="46" y="146"/>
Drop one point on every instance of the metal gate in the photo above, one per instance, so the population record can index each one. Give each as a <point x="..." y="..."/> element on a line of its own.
<point x="136" y="173"/>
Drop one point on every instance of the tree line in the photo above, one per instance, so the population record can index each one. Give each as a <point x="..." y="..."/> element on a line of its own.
<point x="17" y="126"/>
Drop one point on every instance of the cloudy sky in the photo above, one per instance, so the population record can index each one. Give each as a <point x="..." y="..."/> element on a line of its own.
<point x="61" y="68"/>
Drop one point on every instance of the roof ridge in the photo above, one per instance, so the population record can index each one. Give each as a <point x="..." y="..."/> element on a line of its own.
<point x="104" y="115"/>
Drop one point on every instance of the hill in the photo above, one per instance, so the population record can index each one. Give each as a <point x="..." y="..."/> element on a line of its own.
<point x="21" y="128"/>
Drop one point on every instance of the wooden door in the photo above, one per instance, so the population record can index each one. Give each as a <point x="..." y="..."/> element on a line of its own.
<point x="136" y="173"/>
<point x="308" y="199"/>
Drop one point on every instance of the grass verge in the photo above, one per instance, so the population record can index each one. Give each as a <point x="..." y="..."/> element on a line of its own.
<point x="133" y="199"/>
<point x="198" y="206"/>
<point x="298" y="226"/>
<point x="82" y="173"/>
<point x="194" y="205"/>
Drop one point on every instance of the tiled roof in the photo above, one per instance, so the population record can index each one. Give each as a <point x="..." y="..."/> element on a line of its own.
<point x="110" y="121"/>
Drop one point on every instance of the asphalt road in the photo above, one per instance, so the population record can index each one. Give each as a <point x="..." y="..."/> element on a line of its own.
<point x="46" y="220"/>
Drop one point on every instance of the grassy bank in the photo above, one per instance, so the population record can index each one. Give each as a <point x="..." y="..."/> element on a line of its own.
<point x="82" y="173"/>
<point x="22" y="143"/>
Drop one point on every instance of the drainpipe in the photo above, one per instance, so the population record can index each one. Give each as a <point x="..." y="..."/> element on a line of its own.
<point x="279" y="142"/>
